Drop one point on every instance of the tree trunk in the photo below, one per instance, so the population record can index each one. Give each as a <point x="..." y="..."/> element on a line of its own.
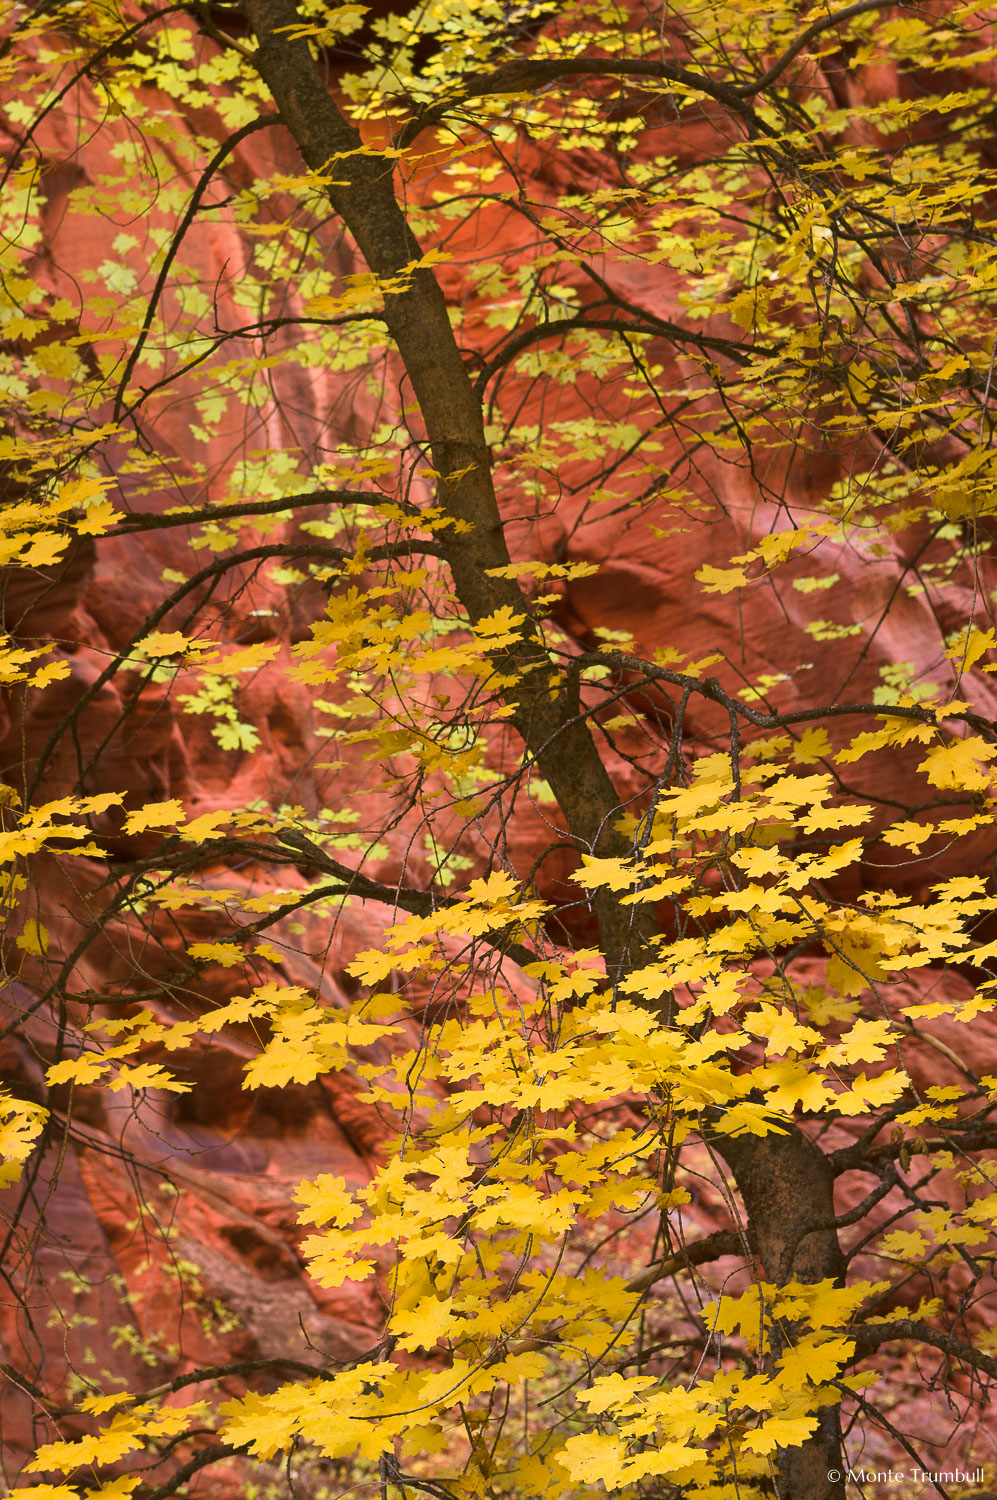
<point x="787" y="1187"/>
<point x="419" y="324"/>
<point x="784" y="1181"/>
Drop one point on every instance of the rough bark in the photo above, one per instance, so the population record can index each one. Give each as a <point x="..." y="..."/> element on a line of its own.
<point x="786" y="1184"/>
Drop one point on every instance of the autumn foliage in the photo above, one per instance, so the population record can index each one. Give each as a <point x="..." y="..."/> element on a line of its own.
<point x="498" y="623"/>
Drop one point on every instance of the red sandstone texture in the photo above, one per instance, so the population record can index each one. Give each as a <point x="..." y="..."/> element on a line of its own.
<point x="216" y="1168"/>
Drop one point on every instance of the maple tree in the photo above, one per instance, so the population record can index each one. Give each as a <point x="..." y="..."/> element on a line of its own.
<point x="716" y="990"/>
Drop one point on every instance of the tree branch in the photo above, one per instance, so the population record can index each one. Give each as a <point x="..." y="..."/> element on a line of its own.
<point x="655" y="327"/>
<point x="203" y="182"/>
<point x="151" y="521"/>
<point x="870" y="1336"/>
<point x="826" y="23"/>
<point x="712" y="1247"/>
<point x="526" y="75"/>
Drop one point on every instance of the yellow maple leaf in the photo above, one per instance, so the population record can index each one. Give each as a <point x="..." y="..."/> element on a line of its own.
<point x="422" y="1326"/>
<point x="97" y="1405"/>
<point x="85" y="1069"/>
<point x="868" y="1093"/>
<point x="969" y="645"/>
<point x="499" y="886"/>
<point x="226" y="954"/>
<point x="99" y="518"/>
<point x="795" y="1083"/>
<point x="617" y="874"/>
<point x="121" y="1437"/>
<point x="594" y="1456"/>
<point x="114" y="1489"/>
<point x="955" y="765"/>
<point x="326" y="1200"/>
<point x="499" y="628"/>
<point x="894" y="732"/>
<point x="812" y="745"/>
<point x="33" y="938"/>
<point x="206" y="826"/>
<point x="21" y="1123"/>
<point x="46" y="548"/>
<point x="264" y="1424"/>
<point x="147" y="1076"/>
<point x="781" y="1029"/>
<point x="52" y="671"/>
<point x="905" y="1245"/>
<point x="755" y="898"/>
<point x="77" y="492"/>
<point x="908" y="835"/>
<point x="370" y="966"/>
<point x="613" y="1392"/>
<point x="760" y="862"/>
<point x="250" y="658"/>
<point x="44" y="1492"/>
<point x="720" y="580"/>
<point x="779" y="1432"/>
<point x="155" y="815"/>
<point x="865" y="1042"/>
<point x="815" y="1359"/>
<point x="163" y="643"/>
<point x="821" y="818"/>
